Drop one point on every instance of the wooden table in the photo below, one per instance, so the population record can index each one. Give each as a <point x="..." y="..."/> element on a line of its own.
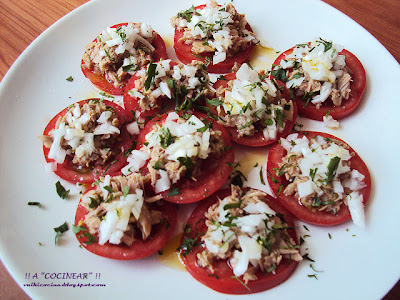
<point x="22" y="21"/>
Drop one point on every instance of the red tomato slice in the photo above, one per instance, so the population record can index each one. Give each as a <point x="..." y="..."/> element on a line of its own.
<point x="348" y="105"/>
<point x="74" y="173"/>
<point x="184" y="53"/>
<point x="101" y="82"/>
<point x="223" y="279"/>
<point x="215" y="171"/>
<point x="321" y="218"/>
<point x="159" y="237"/>
<point x="258" y="139"/>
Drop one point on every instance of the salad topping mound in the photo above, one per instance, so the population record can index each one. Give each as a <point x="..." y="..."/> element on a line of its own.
<point x="175" y="149"/>
<point x="119" y="211"/>
<point x="86" y="132"/>
<point x="253" y="103"/>
<point x="184" y="84"/>
<point x="246" y="232"/>
<point x="215" y="29"/>
<point x="317" y="72"/>
<point x="320" y="175"/>
<point x="119" y="51"/>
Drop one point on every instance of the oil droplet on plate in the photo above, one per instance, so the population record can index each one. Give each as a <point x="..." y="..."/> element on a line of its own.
<point x="263" y="57"/>
<point x="250" y="160"/>
<point x="169" y="255"/>
<point x="169" y="41"/>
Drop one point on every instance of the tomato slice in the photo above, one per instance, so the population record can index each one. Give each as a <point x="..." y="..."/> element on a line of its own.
<point x="74" y="173"/>
<point x="159" y="236"/>
<point x="258" y="139"/>
<point x="321" y="218"/>
<point x="214" y="171"/>
<point x="101" y="82"/>
<point x="223" y="279"/>
<point x="184" y="53"/>
<point x="348" y="105"/>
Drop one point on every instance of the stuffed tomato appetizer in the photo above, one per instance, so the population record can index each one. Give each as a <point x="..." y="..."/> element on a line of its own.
<point x="117" y="219"/>
<point x="215" y="34"/>
<point x="319" y="178"/>
<point x="112" y="57"/>
<point x="87" y="139"/>
<point x="240" y="241"/>
<point x="188" y="156"/>
<point x="326" y="80"/>
<point x="254" y="109"/>
<point x="163" y="82"/>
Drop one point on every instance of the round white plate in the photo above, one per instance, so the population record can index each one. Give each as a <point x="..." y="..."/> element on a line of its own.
<point x="356" y="264"/>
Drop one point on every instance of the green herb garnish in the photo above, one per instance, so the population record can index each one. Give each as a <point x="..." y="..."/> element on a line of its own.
<point x="234" y="277"/>
<point x="61" y="191"/>
<point x="150" y="74"/>
<point x="59" y="230"/>
<point x="332" y="167"/>
<point x="173" y="191"/>
<point x="158" y="165"/>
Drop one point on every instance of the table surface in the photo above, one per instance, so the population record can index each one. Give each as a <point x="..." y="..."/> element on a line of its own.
<point x="26" y="19"/>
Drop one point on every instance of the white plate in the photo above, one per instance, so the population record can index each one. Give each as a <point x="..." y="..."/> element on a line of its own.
<point x="363" y="266"/>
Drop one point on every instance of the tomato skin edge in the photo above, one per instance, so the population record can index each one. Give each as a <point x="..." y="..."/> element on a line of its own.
<point x="159" y="237"/>
<point x="348" y="105"/>
<point x="319" y="218"/>
<point x="226" y="283"/>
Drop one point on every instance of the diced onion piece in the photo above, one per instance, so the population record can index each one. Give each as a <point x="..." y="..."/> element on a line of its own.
<point x="163" y="183"/>
<point x="356" y="208"/>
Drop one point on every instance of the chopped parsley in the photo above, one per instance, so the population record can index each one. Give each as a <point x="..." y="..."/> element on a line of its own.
<point x="234" y="277"/>
<point x="61" y="191"/>
<point x="158" y="165"/>
<point x="237" y="178"/>
<point x="150" y="74"/>
<point x="187" y="14"/>
<point x="262" y="176"/>
<point x="306" y="257"/>
<point x="59" y="230"/>
<point x="70" y="79"/>
<point x="130" y="68"/>
<point x="279" y="73"/>
<point x="327" y="45"/>
<point x="214" y="102"/>
<point x="173" y="191"/>
<point x="126" y="190"/>
<point x="166" y="138"/>
<point x="35" y="204"/>
<point x="233" y="205"/>
<point x="81" y="232"/>
<point x="332" y="167"/>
